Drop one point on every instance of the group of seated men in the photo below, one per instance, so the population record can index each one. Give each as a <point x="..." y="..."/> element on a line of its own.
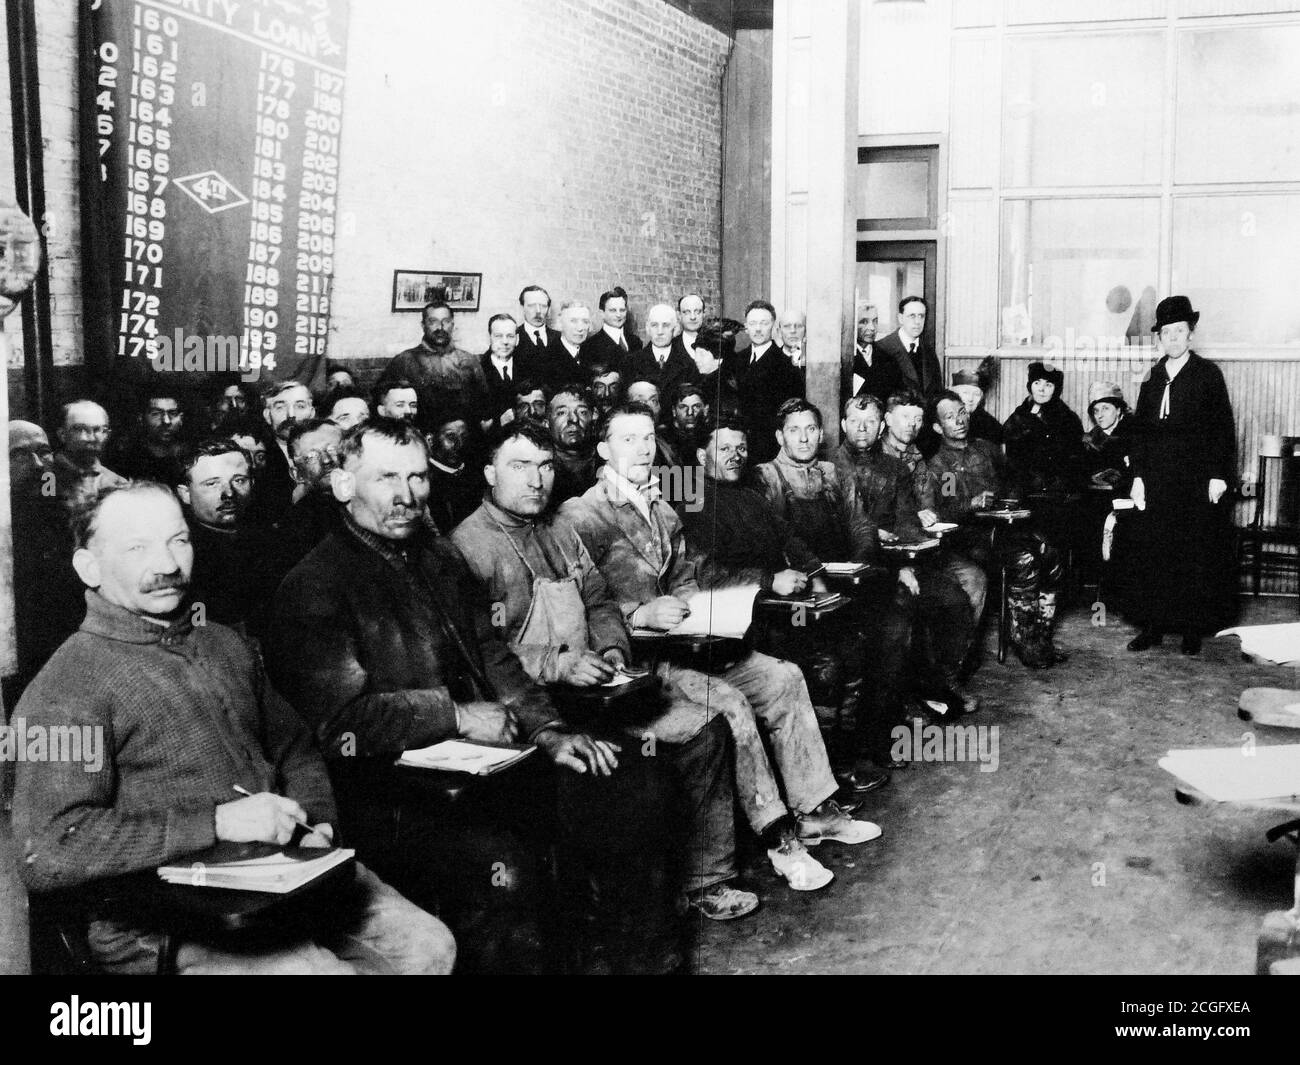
<point x="448" y="557"/>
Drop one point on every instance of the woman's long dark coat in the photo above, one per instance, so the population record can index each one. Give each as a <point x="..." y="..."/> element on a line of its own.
<point x="1183" y="574"/>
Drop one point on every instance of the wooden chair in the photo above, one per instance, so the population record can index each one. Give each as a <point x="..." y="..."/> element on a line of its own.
<point x="1271" y="539"/>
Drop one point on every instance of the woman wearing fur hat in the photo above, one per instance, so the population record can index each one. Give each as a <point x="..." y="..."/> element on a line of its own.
<point x="1183" y="462"/>
<point x="1044" y="437"/>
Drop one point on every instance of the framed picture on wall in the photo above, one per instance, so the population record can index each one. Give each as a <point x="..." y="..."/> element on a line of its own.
<point x="412" y="289"/>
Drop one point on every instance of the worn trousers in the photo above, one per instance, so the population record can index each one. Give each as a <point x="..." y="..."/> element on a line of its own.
<point x="771" y="691"/>
<point x="377" y="931"/>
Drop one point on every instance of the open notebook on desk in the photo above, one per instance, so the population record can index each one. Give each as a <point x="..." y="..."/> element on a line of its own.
<point x="255" y="866"/>
<point x="724" y="612"/>
<point x="467" y="756"/>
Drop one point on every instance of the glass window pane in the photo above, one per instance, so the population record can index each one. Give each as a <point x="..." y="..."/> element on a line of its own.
<point x="883" y="284"/>
<point x="1083" y="110"/>
<point x="1087" y="265"/>
<point x="1236" y="258"/>
<point x="894" y="188"/>
<point x="1238" y="105"/>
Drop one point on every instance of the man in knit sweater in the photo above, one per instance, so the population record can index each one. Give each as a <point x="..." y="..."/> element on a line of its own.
<point x="185" y="716"/>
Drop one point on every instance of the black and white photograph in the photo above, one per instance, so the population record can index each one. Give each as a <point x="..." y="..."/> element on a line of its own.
<point x="846" y="522"/>
<point x="413" y="289"/>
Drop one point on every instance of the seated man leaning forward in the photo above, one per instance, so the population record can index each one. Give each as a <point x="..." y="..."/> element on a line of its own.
<point x="556" y="611"/>
<point x="183" y="715"/>
<point x="383" y="640"/>
<point x="636" y="540"/>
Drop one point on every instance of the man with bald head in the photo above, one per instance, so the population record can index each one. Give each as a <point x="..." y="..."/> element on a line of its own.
<point x="79" y="473"/>
<point x="793" y="328"/>
<point x="664" y="359"/>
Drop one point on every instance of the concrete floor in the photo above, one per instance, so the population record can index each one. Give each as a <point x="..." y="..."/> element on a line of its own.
<point x="1072" y="857"/>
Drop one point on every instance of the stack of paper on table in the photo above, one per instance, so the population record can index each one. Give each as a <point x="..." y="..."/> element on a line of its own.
<point x="1276" y="643"/>
<point x="465" y="756"/>
<point x="844" y="569"/>
<point x="1230" y="774"/>
<point x="717" y="612"/>
<point x="255" y="867"/>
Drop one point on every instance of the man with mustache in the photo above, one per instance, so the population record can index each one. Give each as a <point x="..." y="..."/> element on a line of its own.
<point x="384" y="642"/>
<point x="442" y="373"/>
<point x="185" y="712"/>
<point x="235" y="558"/>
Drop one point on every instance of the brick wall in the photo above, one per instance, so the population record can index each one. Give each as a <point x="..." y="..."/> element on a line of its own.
<point x="572" y="143"/>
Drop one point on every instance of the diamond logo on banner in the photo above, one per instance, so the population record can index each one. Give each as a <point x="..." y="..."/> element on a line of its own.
<point x="211" y="191"/>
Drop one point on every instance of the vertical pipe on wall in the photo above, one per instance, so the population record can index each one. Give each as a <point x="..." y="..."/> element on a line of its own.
<point x="29" y="189"/>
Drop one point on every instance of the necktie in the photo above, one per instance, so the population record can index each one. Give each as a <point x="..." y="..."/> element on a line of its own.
<point x="505" y="372"/>
<point x="661" y="359"/>
<point x="622" y="341"/>
<point x="537" y="336"/>
<point x="1164" y="400"/>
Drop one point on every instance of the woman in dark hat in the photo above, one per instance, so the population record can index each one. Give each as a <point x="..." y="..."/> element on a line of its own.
<point x="1107" y="444"/>
<point x="1044" y="437"/>
<point x="1182" y="464"/>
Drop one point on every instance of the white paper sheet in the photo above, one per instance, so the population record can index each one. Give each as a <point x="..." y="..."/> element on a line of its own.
<point x="719" y="612"/>
<point x="1277" y="643"/>
<point x="1229" y="774"/>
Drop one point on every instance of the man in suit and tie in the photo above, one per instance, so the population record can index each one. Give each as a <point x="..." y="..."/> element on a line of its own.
<point x="916" y="359"/>
<point x="612" y="342"/>
<point x="690" y="317"/>
<point x="793" y="329"/>
<point x="563" y="363"/>
<point x="664" y="360"/>
<point x="873" y="373"/>
<point x="765" y="379"/>
<point x="503" y="365"/>
<point x="536" y="338"/>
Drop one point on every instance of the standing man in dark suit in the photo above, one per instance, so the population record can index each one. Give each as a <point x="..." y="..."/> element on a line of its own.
<point x="563" y="364"/>
<point x="664" y="360"/>
<point x="916" y="359"/>
<point x="612" y="343"/>
<point x="537" y="340"/>
<point x="690" y="315"/>
<point x="765" y="379"/>
<point x="503" y="364"/>
<point x="873" y="373"/>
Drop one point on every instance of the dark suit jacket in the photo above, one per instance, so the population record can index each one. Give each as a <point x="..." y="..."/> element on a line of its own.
<point x="929" y="379"/>
<point x="557" y="367"/>
<point x="762" y="388"/>
<point x="881" y="378"/>
<point x="642" y="366"/>
<point x="599" y="348"/>
<point x="501" y="396"/>
<point x="538" y="358"/>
